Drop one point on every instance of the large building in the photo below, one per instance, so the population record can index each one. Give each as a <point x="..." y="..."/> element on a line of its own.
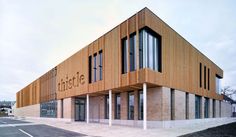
<point x="140" y="73"/>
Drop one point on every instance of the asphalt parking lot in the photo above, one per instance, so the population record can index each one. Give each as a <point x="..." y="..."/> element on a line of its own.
<point x="18" y="128"/>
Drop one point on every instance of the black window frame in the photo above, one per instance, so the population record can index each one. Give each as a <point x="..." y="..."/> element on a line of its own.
<point x="124" y="55"/>
<point x="106" y="103"/>
<point x="208" y="80"/>
<point x="159" y="48"/>
<point x="140" y="105"/>
<point x="117" y="106"/>
<point x="130" y="116"/>
<point x="200" y="75"/>
<point x="100" y="64"/>
<point x="204" y="77"/>
<point x="94" y="67"/>
<point x="132" y="55"/>
<point x="90" y="69"/>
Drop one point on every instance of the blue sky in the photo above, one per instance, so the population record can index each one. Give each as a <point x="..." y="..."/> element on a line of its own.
<point x="35" y="35"/>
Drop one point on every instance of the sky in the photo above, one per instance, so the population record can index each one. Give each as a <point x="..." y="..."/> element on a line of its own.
<point x="36" y="35"/>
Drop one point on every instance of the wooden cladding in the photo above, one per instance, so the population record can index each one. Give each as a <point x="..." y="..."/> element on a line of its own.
<point x="29" y="95"/>
<point x="179" y="65"/>
<point x="48" y="86"/>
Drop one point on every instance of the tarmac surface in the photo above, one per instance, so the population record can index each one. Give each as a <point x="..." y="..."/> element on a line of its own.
<point x="227" y="130"/>
<point x="18" y="128"/>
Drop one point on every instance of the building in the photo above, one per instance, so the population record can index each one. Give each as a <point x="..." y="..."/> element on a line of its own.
<point x="140" y="73"/>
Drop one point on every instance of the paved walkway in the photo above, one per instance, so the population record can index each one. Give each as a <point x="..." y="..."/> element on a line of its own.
<point x="103" y="130"/>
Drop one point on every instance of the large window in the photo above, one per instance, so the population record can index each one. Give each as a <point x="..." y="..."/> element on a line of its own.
<point x="106" y="107"/>
<point x="218" y="84"/>
<point x="140" y="105"/>
<point x="48" y="109"/>
<point x="95" y="67"/>
<point x="100" y="65"/>
<point x="149" y="50"/>
<point x="206" y="108"/>
<point x="117" y="106"/>
<point x="197" y="107"/>
<point x="131" y="106"/>
<point x="124" y="49"/>
<point x="132" y="51"/>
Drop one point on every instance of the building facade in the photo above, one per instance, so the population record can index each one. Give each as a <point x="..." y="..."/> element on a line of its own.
<point x="140" y="73"/>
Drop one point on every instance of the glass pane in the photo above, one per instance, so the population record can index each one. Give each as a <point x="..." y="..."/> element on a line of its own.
<point x="132" y="52"/>
<point x="131" y="106"/>
<point x="150" y="55"/>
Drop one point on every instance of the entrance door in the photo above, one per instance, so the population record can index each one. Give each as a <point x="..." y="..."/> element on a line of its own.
<point x="79" y="109"/>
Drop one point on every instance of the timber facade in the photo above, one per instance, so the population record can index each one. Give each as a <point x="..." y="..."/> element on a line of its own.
<point x="141" y="52"/>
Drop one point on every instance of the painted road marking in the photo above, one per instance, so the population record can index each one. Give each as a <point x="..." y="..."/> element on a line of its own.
<point x="3" y="122"/>
<point x="26" y="133"/>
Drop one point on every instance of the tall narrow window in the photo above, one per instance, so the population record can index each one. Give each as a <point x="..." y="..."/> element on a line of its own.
<point x="106" y="107"/>
<point x="124" y="48"/>
<point x="187" y="105"/>
<point x="204" y="77"/>
<point x="208" y="80"/>
<point x="197" y="107"/>
<point x="214" y="108"/>
<point x="149" y="49"/>
<point x="218" y="84"/>
<point x="140" y="105"/>
<point x="131" y="106"/>
<point x="172" y="104"/>
<point x="141" y="51"/>
<point x="117" y="106"/>
<point x="100" y="65"/>
<point x="90" y="69"/>
<point x="219" y="108"/>
<point x="200" y="74"/>
<point x="132" y="52"/>
<point x="95" y="67"/>
<point x="206" y="108"/>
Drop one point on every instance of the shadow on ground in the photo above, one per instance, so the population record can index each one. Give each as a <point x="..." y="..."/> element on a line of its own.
<point x="227" y="130"/>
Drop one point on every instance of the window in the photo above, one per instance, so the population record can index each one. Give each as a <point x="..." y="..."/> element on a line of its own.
<point x="214" y="108"/>
<point x="90" y="69"/>
<point x="172" y="104"/>
<point x="200" y="74"/>
<point x="140" y="105"/>
<point x="208" y="80"/>
<point x="62" y="108"/>
<point x="218" y="84"/>
<point x="100" y="65"/>
<point x="219" y="108"/>
<point x="187" y="105"/>
<point x="197" y="107"/>
<point x="117" y="106"/>
<point x="204" y="77"/>
<point x="124" y="49"/>
<point x="48" y="109"/>
<point x="131" y="106"/>
<point x="106" y="107"/>
<point x="206" y="108"/>
<point x="132" y="51"/>
<point x="95" y="67"/>
<point x="149" y="50"/>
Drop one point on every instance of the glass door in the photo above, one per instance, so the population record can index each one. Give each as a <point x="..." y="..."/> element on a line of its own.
<point x="79" y="109"/>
